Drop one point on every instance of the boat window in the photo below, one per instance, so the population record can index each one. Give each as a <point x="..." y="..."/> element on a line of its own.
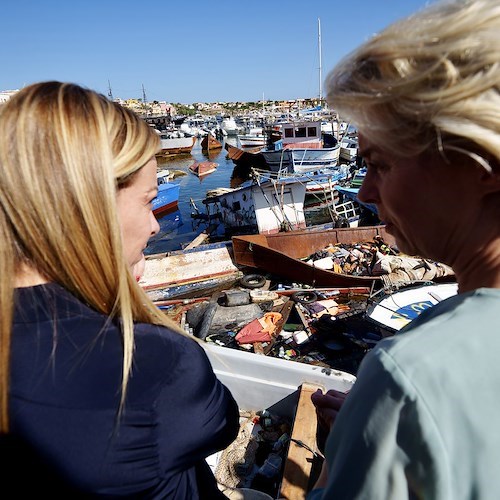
<point x="289" y="132"/>
<point x="300" y="132"/>
<point x="311" y="132"/>
<point x="236" y="206"/>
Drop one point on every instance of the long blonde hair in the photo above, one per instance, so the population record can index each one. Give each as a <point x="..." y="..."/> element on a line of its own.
<point x="64" y="152"/>
<point x="430" y="79"/>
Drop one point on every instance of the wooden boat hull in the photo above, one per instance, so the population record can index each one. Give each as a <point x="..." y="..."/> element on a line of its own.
<point x="251" y="157"/>
<point x="209" y="143"/>
<point x="280" y="254"/>
<point x="189" y="273"/>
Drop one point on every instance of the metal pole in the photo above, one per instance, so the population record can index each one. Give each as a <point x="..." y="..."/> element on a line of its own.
<point x="319" y="50"/>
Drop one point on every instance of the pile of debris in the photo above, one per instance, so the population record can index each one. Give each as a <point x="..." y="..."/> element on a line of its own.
<point x="326" y="328"/>
<point x="255" y="459"/>
<point x="377" y="258"/>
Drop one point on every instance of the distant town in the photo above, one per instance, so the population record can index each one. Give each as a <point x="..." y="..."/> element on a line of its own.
<point x="163" y="108"/>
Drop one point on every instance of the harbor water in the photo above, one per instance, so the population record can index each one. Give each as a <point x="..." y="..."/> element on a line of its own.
<point x="178" y="228"/>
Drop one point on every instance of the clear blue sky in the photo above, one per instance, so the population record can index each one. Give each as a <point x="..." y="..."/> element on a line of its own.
<point x="186" y="50"/>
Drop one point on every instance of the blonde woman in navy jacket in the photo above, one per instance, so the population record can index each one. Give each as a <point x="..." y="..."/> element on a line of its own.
<point x="101" y="395"/>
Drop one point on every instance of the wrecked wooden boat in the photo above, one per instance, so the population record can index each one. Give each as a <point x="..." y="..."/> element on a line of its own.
<point x="196" y="272"/>
<point x="210" y="143"/>
<point x="284" y="254"/>
<point x="175" y="145"/>
<point x="202" y="168"/>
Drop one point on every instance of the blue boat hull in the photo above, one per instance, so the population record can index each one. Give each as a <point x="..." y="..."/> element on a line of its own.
<point x="168" y="198"/>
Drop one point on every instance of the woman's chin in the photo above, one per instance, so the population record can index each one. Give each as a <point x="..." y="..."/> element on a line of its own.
<point x="402" y="243"/>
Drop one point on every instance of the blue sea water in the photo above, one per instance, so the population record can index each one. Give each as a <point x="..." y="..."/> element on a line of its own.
<point x="178" y="228"/>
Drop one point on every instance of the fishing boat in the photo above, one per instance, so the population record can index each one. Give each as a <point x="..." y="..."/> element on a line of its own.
<point x="202" y="168"/>
<point x="351" y="194"/>
<point x="254" y="138"/>
<point x="246" y="158"/>
<point x="284" y="254"/>
<point x="349" y="148"/>
<point x="168" y="193"/>
<point x="266" y="207"/>
<point x="300" y="149"/>
<point x="229" y="126"/>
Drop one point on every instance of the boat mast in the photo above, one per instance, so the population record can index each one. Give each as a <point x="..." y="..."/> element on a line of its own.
<point x="319" y="51"/>
<point x="144" y="100"/>
<point x="110" y="93"/>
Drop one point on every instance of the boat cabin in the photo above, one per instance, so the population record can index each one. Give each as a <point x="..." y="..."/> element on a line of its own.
<point x="304" y="134"/>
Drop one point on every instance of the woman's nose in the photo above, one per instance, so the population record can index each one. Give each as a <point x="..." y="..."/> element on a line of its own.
<point x="155" y="227"/>
<point x="368" y="192"/>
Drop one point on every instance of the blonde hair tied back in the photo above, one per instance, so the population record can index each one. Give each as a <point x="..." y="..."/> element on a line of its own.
<point x="64" y="151"/>
<point x="434" y="76"/>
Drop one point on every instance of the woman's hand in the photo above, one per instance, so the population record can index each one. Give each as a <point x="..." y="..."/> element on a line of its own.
<point x="328" y="406"/>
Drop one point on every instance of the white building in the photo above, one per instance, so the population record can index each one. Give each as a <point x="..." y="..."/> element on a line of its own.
<point x="5" y="95"/>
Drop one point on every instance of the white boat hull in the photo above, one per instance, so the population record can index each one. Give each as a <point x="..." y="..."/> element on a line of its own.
<point x="349" y="149"/>
<point x="267" y="207"/>
<point x="396" y="310"/>
<point x="258" y="382"/>
<point x="302" y="160"/>
<point x="305" y="160"/>
<point x="249" y="141"/>
<point x="177" y="145"/>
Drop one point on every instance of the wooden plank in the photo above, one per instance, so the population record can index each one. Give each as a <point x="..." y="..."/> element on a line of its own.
<point x="202" y="237"/>
<point x="299" y="460"/>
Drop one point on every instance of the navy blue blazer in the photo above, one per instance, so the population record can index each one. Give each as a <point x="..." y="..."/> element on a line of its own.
<point x="66" y="368"/>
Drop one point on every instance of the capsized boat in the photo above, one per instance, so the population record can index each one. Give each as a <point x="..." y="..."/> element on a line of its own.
<point x="202" y="168"/>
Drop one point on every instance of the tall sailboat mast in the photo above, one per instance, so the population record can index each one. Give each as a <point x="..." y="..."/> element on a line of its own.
<point x="320" y="72"/>
<point x="144" y="100"/>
